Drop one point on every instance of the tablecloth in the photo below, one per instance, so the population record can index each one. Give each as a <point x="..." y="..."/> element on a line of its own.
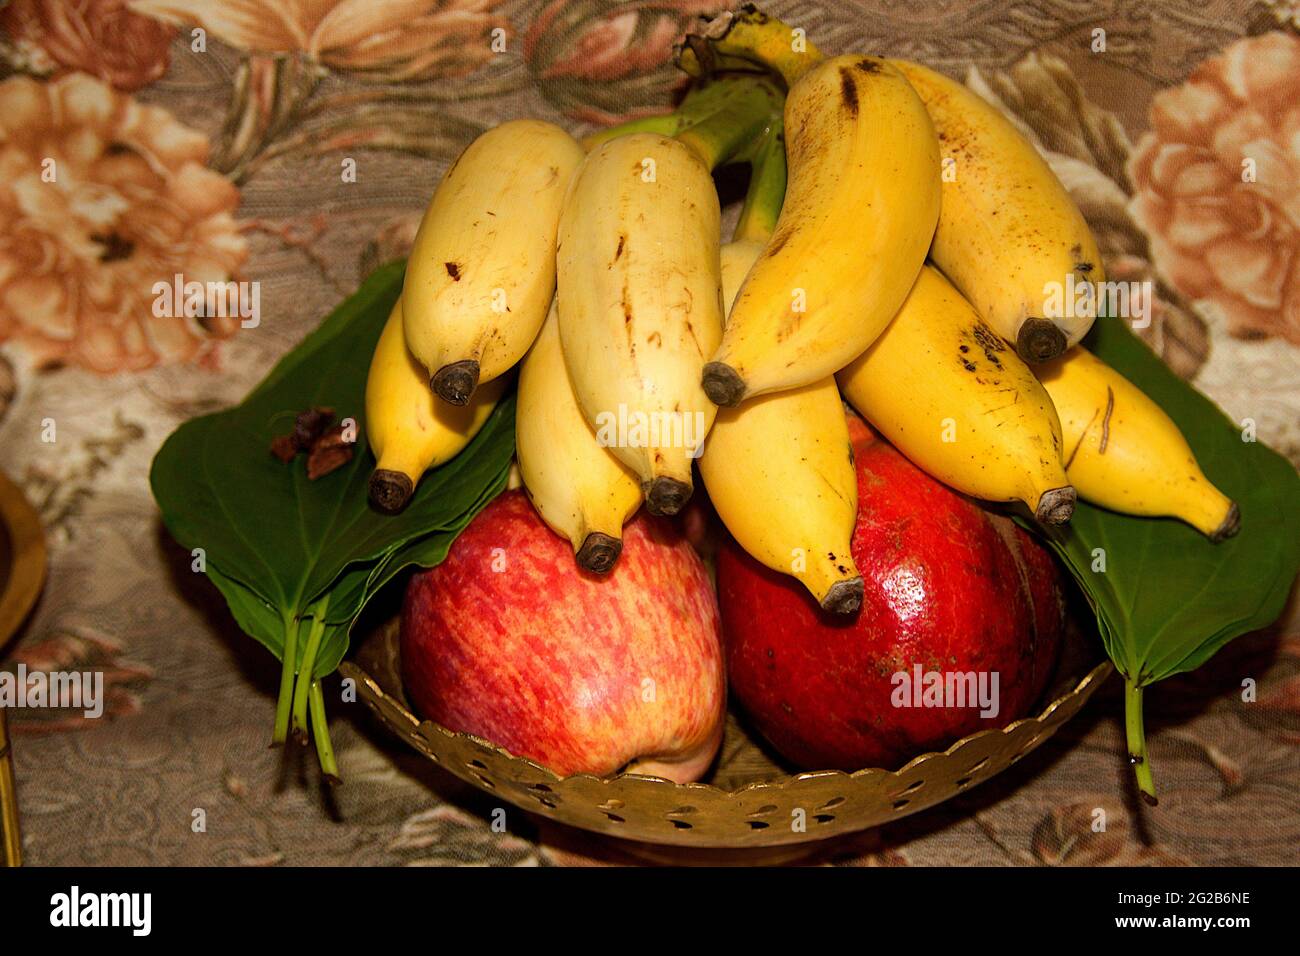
<point x="294" y="144"/>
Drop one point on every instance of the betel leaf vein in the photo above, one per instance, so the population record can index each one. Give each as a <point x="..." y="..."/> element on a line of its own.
<point x="288" y="541"/>
<point x="194" y="506"/>
<point x="1169" y="597"/>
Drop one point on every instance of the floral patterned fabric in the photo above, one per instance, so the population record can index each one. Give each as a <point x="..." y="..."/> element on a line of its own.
<point x="295" y="142"/>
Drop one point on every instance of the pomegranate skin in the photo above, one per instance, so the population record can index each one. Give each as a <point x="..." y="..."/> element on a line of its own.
<point x="1046" y="583"/>
<point x="949" y="587"/>
<point x="509" y="640"/>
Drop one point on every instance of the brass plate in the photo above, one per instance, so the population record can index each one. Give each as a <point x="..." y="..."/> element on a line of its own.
<point x="748" y="801"/>
<point x="22" y="559"/>
<point x="22" y="573"/>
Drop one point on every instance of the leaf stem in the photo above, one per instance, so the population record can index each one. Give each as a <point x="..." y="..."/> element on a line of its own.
<point x="320" y="731"/>
<point x="284" y="702"/>
<point x="305" y="677"/>
<point x="1137" y="741"/>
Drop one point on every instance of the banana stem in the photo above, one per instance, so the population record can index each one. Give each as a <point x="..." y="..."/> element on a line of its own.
<point x="726" y="116"/>
<point x="303" y="684"/>
<point x="320" y="732"/>
<point x="704" y="101"/>
<point x="766" y="191"/>
<point x="753" y="35"/>
<point x="284" y="702"/>
<point x="1137" y="741"/>
<point x="665" y="124"/>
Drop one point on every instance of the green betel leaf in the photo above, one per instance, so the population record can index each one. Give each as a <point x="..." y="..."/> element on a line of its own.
<point x="297" y="559"/>
<point x="429" y="551"/>
<point x="262" y="523"/>
<point x="255" y="617"/>
<point x="1169" y="598"/>
<point x="262" y="622"/>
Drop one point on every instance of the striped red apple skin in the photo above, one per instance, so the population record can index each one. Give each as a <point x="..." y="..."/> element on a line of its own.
<point x="509" y="640"/>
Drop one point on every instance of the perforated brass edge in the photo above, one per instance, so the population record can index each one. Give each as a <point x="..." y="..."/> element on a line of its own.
<point x="829" y="803"/>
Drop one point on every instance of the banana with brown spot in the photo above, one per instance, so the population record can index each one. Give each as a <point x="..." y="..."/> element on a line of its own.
<point x="779" y="471"/>
<point x="860" y="211"/>
<point x="640" y="305"/>
<point x="1009" y="235"/>
<point x="580" y="489"/>
<point x="1124" y="453"/>
<point x="408" y="428"/>
<point x="481" y="275"/>
<point x="949" y="394"/>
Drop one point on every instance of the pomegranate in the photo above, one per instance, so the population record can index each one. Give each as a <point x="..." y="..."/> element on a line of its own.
<point x="959" y="629"/>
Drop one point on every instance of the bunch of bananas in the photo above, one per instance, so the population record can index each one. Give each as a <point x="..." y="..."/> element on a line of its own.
<point x="897" y="247"/>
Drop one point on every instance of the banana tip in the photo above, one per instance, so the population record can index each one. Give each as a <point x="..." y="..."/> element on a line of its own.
<point x="1056" y="506"/>
<point x="1231" y="525"/>
<point x="666" y="496"/>
<point x="844" y="597"/>
<point x="390" y="490"/>
<point x="722" y="384"/>
<point x="1040" y="341"/>
<point x="599" y="551"/>
<point x="455" y="383"/>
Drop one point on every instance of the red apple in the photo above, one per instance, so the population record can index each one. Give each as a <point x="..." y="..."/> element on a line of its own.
<point x="951" y="590"/>
<point x="509" y="640"/>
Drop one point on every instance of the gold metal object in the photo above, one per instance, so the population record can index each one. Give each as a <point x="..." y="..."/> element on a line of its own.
<point x="11" y="839"/>
<point x="748" y="801"/>
<point x="22" y="573"/>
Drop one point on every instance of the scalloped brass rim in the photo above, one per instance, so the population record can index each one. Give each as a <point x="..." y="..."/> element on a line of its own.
<point x="797" y="808"/>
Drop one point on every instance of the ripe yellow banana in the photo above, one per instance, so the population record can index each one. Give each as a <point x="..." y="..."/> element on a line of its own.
<point x="580" y="489"/>
<point x="409" y="430"/>
<point x="949" y="394"/>
<point x="1124" y="453"/>
<point x="640" y="305"/>
<point x="1009" y="236"/>
<point x="736" y="259"/>
<point x="481" y="274"/>
<point x="859" y="213"/>
<point x="779" y="471"/>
